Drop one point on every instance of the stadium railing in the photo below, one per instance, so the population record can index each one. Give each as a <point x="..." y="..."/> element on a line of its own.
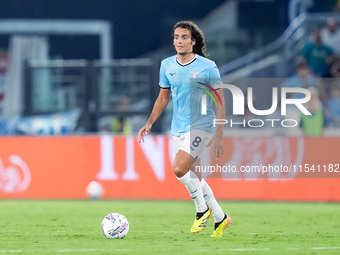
<point x="280" y="52"/>
<point x="100" y="88"/>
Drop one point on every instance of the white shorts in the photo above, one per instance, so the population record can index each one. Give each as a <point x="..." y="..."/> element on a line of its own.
<point x="193" y="142"/>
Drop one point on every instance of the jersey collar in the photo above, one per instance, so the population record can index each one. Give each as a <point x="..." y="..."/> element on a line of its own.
<point x="188" y="62"/>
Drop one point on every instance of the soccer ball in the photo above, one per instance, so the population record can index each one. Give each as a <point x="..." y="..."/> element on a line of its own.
<point x="94" y="190"/>
<point x="115" y="226"/>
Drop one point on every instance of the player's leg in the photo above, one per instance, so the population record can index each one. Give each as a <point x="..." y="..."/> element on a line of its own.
<point x="208" y="194"/>
<point x="181" y="169"/>
<point x="222" y="220"/>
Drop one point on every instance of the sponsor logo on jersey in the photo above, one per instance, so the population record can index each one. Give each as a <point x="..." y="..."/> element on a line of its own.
<point x="194" y="74"/>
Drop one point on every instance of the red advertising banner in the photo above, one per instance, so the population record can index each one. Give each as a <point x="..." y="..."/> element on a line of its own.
<point x="277" y="168"/>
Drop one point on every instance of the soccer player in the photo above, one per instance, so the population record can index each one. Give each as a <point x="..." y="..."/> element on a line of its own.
<point x="175" y="75"/>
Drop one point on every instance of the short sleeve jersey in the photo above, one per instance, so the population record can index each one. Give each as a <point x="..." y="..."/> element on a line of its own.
<point x="183" y="81"/>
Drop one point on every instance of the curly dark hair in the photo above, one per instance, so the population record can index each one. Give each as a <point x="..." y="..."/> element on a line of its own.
<point x="196" y="35"/>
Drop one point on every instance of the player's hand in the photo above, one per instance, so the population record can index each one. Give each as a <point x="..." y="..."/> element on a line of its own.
<point x="144" y="131"/>
<point x="217" y="142"/>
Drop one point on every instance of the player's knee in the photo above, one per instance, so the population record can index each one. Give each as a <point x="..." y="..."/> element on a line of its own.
<point x="180" y="170"/>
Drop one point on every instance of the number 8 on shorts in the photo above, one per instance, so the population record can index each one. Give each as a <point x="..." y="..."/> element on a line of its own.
<point x="196" y="141"/>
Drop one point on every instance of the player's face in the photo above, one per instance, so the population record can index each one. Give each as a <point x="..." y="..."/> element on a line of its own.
<point x="182" y="41"/>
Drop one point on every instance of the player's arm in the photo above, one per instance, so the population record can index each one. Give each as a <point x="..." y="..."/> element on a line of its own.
<point x="217" y="140"/>
<point x="158" y="108"/>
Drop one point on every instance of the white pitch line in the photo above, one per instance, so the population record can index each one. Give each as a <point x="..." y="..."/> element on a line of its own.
<point x="203" y="250"/>
<point x="165" y="231"/>
<point x="250" y="249"/>
<point x="12" y="251"/>
<point x="324" y="248"/>
<point x="123" y="250"/>
<point x="47" y="251"/>
<point x="268" y="249"/>
<point x="82" y="250"/>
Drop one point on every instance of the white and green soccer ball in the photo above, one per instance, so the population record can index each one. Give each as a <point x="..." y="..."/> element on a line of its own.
<point x="115" y="226"/>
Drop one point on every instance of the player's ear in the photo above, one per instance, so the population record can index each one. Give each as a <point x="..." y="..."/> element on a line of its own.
<point x="193" y="42"/>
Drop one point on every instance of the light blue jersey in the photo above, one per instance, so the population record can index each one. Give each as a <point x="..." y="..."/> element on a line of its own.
<point x="183" y="80"/>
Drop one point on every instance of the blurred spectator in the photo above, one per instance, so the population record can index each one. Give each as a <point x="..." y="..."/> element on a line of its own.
<point x="335" y="68"/>
<point x="120" y="124"/>
<point x="303" y="78"/>
<point x="331" y="36"/>
<point x="312" y="125"/>
<point x="318" y="55"/>
<point x="333" y="106"/>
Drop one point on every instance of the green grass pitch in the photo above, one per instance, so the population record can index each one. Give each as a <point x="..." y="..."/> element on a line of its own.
<point x="163" y="227"/>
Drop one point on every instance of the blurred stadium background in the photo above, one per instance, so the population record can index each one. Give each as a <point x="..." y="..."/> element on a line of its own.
<point x="78" y="79"/>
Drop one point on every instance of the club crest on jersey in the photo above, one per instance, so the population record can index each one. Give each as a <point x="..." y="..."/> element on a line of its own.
<point x="194" y="74"/>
